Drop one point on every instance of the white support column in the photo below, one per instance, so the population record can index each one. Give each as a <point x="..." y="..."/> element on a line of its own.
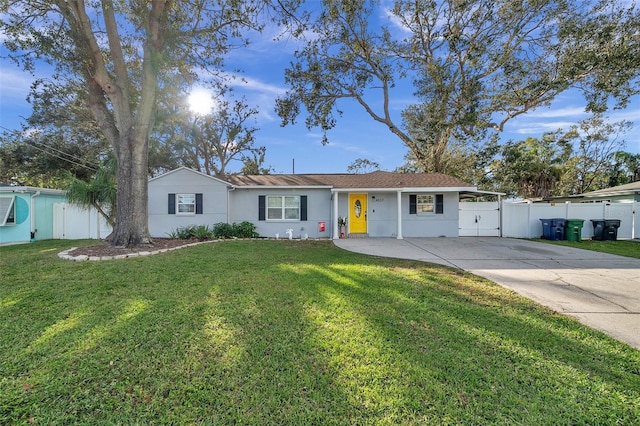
<point x="334" y="222"/>
<point x="399" y="202"/>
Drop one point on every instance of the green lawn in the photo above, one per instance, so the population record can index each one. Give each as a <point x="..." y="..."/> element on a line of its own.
<point x="629" y="248"/>
<point x="281" y="332"/>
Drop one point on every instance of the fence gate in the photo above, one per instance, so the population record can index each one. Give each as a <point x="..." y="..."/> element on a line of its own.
<point x="479" y="219"/>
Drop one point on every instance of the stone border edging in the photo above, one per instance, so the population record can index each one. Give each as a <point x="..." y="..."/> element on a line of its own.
<point x="83" y="257"/>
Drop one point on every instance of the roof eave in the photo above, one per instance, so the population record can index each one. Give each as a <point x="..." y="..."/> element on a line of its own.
<point x="170" y="172"/>
<point x="30" y="189"/>
<point x="408" y="189"/>
<point x="612" y="194"/>
<point x="282" y="186"/>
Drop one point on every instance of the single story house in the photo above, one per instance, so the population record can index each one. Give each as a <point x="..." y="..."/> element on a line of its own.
<point x="26" y="213"/>
<point x="378" y="204"/>
<point x="627" y="193"/>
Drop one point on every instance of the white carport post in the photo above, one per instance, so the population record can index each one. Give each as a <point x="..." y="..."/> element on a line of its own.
<point x="334" y="222"/>
<point x="399" y="202"/>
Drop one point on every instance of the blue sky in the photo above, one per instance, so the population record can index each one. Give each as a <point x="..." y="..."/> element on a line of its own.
<point x="356" y="134"/>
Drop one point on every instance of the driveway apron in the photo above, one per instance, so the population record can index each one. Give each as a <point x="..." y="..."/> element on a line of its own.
<point x="600" y="290"/>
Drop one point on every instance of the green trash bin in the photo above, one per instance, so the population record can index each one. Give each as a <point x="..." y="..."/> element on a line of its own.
<point x="573" y="230"/>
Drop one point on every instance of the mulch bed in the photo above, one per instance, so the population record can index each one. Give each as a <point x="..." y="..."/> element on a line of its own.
<point x="106" y="249"/>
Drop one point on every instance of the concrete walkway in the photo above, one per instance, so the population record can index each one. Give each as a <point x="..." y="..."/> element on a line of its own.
<point x="601" y="290"/>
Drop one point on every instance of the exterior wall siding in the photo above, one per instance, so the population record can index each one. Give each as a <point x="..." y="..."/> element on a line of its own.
<point x="431" y="225"/>
<point x="20" y="232"/>
<point x="44" y="215"/>
<point x="214" y="201"/>
<point x="244" y="207"/>
<point x="382" y="214"/>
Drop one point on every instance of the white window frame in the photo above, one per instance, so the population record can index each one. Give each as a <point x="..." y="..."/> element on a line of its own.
<point x="283" y="209"/>
<point x="425" y="204"/>
<point x="181" y="204"/>
<point x="8" y="211"/>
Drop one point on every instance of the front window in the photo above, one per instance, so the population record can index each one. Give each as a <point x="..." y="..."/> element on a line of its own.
<point x="425" y="204"/>
<point x="283" y="207"/>
<point x="186" y="203"/>
<point x="7" y="211"/>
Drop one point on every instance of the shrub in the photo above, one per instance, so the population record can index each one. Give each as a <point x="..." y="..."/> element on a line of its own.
<point x="173" y="234"/>
<point x="219" y="230"/>
<point x="182" y="233"/>
<point x="202" y="232"/>
<point x="244" y="230"/>
<point x="223" y="230"/>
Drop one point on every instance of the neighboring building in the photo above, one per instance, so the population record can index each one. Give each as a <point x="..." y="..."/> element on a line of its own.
<point x="26" y="213"/>
<point x="627" y="193"/>
<point x="378" y="204"/>
<point x="32" y="214"/>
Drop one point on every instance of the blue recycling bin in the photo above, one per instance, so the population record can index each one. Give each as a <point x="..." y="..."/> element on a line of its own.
<point x="553" y="229"/>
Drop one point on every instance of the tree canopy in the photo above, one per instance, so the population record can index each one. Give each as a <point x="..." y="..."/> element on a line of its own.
<point x="586" y="157"/>
<point x="125" y="54"/>
<point x="210" y="142"/>
<point x="475" y="65"/>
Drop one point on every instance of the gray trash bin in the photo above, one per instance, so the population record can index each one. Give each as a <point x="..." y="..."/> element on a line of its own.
<point x="605" y="229"/>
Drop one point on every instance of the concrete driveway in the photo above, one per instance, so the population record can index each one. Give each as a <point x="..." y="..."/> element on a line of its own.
<point x="601" y="290"/>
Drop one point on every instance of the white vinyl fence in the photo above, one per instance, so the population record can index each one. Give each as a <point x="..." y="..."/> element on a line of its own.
<point x="522" y="220"/>
<point x="74" y="223"/>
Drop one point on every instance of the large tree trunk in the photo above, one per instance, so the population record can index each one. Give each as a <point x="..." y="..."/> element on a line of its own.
<point x="132" y="196"/>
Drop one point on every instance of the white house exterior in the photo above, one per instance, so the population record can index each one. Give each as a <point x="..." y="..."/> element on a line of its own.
<point x="378" y="204"/>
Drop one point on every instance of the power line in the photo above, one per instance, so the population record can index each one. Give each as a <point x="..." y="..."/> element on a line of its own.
<point x="32" y="143"/>
<point x="62" y="158"/>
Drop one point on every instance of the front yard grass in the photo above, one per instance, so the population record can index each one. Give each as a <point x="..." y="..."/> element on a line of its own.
<point x="629" y="248"/>
<point x="281" y="332"/>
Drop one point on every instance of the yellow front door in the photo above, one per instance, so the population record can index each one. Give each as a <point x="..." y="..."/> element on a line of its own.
<point x="358" y="213"/>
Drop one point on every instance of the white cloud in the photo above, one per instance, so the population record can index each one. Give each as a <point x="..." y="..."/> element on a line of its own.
<point x="254" y="85"/>
<point x="630" y="114"/>
<point x="569" y="111"/>
<point x="401" y="30"/>
<point x="15" y="83"/>
<point x="537" y="128"/>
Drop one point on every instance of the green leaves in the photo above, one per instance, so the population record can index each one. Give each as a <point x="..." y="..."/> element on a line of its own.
<point x="476" y="64"/>
<point x="98" y="192"/>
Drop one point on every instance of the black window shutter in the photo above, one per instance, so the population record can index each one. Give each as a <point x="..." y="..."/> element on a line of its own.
<point x="303" y="207"/>
<point x="198" y="203"/>
<point x="172" y="204"/>
<point x="413" y="204"/>
<point x="439" y="204"/>
<point x="261" y="207"/>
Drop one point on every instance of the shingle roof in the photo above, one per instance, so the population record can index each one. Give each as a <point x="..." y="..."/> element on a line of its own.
<point x="378" y="179"/>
